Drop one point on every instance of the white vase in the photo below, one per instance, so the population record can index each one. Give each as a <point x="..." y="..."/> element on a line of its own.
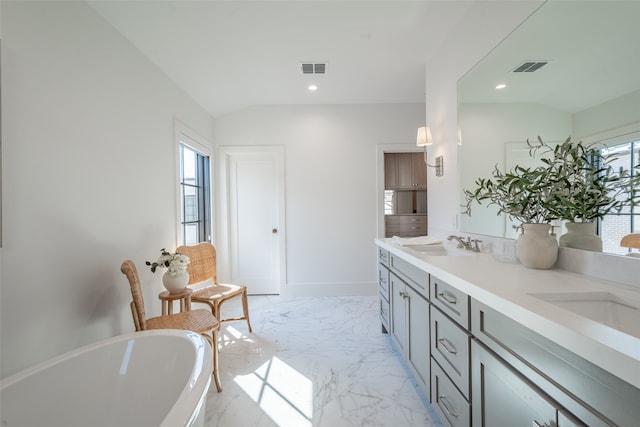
<point x="175" y="284"/>
<point x="581" y="235"/>
<point x="536" y="248"/>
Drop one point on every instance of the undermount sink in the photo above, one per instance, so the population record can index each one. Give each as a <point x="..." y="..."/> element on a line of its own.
<point x="602" y="307"/>
<point x="437" y="250"/>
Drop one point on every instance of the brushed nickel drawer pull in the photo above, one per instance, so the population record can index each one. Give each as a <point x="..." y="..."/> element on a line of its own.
<point x="448" y="297"/>
<point x="446" y="406"/>
<point x="446" y="344"/>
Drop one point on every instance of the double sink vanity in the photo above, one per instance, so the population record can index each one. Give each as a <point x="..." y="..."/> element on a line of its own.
<point x="495" y="344"/>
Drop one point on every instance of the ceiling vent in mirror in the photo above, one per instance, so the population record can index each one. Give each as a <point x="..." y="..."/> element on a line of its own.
<point x="311" y="68"/>
<point x="530" y="66"/>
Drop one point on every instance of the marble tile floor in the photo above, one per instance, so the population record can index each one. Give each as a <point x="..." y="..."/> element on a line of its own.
<point x="313" y="362"/>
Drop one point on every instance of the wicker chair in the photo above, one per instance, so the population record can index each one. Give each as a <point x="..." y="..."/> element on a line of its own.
<point x="203" y="267"/>
<point x="200" y="321"/>
<point x="631" y="241"/>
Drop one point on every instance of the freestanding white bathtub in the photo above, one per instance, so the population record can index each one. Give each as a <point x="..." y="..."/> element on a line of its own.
<point x="151" y="378"/>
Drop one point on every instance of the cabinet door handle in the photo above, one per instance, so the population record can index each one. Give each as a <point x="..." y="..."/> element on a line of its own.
<point x="446" y="406"/>
<point x="446" y="344"/>
<point x="448" y="297"/>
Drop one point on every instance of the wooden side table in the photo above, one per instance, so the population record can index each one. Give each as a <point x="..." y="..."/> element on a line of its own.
<point x="168" y="298"/>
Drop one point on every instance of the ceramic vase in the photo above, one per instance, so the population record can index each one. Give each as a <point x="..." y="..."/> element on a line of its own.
<point x="581" y="235"/>
<point x="175" y="284"/>
<point x="536" y="248"/>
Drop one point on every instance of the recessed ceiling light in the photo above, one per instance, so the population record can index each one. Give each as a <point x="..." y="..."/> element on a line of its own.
<point x="313" y="88"/>
<point x="501" y="86"/>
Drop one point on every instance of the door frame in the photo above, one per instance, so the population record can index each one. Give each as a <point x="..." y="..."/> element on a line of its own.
<point x="380" y="150"/>
<point x="223" y="223"/>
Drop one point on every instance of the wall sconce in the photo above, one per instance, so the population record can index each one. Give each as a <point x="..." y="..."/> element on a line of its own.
<point x="423" y="140"/>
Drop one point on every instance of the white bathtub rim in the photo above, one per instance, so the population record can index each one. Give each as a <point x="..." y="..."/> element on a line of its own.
<point x="193" y="395"/>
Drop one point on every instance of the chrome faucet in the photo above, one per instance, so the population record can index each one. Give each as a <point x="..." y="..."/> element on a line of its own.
<point x="469" y="245"/>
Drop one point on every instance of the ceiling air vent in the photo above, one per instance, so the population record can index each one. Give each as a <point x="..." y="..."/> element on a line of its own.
<point x="310" y="68"/>
<point x="530" y="66"/>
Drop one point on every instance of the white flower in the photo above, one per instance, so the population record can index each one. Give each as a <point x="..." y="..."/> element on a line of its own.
<point x="176" y="263"/>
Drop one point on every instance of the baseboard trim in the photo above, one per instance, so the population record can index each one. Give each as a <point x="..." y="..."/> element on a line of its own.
<point x="329" y="289"/>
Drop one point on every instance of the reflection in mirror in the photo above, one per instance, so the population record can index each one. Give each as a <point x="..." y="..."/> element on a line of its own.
<point x="570" y="70"/>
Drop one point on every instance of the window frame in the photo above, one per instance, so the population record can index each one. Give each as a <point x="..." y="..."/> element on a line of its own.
<point x="633" y="139"/>
<point x="199" y="144"/>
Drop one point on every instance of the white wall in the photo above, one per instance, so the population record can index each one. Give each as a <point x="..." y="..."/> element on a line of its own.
<point x="330" y="173"/>
<point x="89" y="177"/>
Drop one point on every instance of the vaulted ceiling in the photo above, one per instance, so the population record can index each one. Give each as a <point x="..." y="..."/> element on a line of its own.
<point x="228" y="55"/>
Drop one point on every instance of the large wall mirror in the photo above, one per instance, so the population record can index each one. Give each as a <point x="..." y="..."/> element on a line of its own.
<point x="571" y="69"/>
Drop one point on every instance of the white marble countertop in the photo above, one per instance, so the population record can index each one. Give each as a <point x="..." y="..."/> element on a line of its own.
<point x="507" y="287"/>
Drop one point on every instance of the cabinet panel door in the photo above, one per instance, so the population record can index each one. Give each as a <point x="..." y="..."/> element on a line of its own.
<point x="398" y="312"/>
<point x="390" y="171"/>
<point x="502" y="397"/>
<point x="418" y="354"/>
<point x="566" y="419"/>
<point x="419" y="170"/>
<point x="404" y="165"/>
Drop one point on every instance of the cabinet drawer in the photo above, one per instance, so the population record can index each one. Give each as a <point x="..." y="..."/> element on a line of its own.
<point x="452" y="302"/>
<point x="450" y="405"/>
<point x="415" y="277"/>
<point x="384" y="312"/>
<point x="383" y="256"/>
<point x="412" y="220"/>
<point x="408" y="228"/>
<point x="383" y="281"/>
<point x="450" y="346"/>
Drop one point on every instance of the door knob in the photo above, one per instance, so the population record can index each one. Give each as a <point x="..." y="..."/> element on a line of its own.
<point x="274" y="231"/>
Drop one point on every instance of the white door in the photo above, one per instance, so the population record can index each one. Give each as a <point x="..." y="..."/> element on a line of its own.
<point x="254" y="201"/>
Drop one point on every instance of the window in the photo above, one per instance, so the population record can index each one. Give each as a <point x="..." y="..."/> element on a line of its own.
<point x="195" y="195"/>
<point x="615" y="225"/>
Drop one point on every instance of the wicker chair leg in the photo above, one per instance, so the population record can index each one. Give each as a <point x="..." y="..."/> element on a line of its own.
<point x="245" y="308"/>
<point x="216" y="377"/>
